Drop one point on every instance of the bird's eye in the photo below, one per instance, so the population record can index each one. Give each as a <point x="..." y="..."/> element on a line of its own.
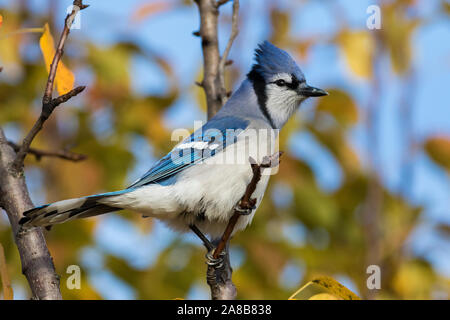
<point x="280" y="82"/>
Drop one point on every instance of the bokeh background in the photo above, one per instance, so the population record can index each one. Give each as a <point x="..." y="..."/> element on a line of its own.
<point x="364" y="179"/>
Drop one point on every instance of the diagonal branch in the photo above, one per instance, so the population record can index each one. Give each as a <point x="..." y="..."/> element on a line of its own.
<point x="219" y="279"/>
<point x="247" y="202"/>
<point x="48" y="103"/>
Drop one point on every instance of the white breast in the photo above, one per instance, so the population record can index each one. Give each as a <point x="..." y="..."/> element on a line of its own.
<point x="206" y="193"/>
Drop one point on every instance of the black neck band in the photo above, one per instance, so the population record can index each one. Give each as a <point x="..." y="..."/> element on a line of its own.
<point x="259" y="85"/>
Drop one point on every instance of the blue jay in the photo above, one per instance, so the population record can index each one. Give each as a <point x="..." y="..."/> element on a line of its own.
<point x="200" y="182"/>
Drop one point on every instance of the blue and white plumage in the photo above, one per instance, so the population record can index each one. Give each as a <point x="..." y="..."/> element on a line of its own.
<point x="202" y="179"/>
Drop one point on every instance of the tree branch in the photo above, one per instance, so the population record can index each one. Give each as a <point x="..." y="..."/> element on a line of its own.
<point x="48" y="103"/>
<point x="213" y="84"/>
<point x="62" y="154"/>
<point x="213" y="79"/>
<point x="219" y="279"/>
<point x="37" y="264"/>
<point x="234" y="32"/>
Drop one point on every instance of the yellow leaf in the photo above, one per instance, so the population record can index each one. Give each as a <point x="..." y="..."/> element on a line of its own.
<point x="341" y="106"/>
<point x="357" y="48"/>
<point x="64" y="78"/>
<point x="323" y="288"/>
<point x="323" y="296"/>
<point x="397" y="34"/>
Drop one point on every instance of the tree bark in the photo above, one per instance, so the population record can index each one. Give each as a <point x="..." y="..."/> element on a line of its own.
<point x="37" y="264"/>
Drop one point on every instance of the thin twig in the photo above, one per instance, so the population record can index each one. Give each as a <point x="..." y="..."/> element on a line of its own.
<point x="48" y="103"/>
<point x="62" y="154"/>
<point x="234" y="32"/>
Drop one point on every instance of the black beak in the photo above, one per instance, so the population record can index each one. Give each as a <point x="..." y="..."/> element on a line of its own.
<point x="308" y="91"/>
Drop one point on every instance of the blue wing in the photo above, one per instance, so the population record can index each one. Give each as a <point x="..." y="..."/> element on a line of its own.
<point x="213" y="137"/>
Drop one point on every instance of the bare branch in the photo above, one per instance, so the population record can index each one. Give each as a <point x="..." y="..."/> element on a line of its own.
<point x="49" y="104"/>
<point x="63" y="154"/>
<point x="213" y="84"/>
<point x="211" y="57"/>
<point x="213" y="79"/>
<point x="65" y="97"/>
<point x="233" y="35"/>
<point x="219" y="279"/>
<point x="37" y="264"/>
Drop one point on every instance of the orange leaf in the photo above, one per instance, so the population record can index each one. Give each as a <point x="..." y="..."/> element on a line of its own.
<point x="148" y="9"/>
<point x="64" y="78"/>
<point x="1" y="20"/>
<point x="438" y="148"/>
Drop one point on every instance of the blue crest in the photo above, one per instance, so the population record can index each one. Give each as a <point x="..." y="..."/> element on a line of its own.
<point x="271" y="60"/>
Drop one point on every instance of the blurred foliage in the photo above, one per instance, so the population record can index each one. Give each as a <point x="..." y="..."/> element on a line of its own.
<point x="334" y="224"/>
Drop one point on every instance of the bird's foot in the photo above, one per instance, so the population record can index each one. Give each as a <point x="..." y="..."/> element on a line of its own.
<point x="217" y="263"/>
<point x="245" y="208"/>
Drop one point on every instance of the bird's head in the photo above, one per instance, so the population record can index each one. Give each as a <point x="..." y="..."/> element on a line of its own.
<point x="279" y="84"/>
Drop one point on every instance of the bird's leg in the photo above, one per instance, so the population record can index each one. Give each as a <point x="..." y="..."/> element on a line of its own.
<point x="210" y="260"/>
<point x="209" y="246"/>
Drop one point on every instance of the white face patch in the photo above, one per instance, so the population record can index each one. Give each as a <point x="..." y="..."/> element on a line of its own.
<point x="282" y="98"/>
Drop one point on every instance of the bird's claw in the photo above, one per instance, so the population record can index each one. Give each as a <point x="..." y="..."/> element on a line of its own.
<point x="244" y="210"/>
<point x="215" y="262"/>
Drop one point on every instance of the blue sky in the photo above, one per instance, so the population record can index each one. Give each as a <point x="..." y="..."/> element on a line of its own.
<point x="170" y="33"/>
